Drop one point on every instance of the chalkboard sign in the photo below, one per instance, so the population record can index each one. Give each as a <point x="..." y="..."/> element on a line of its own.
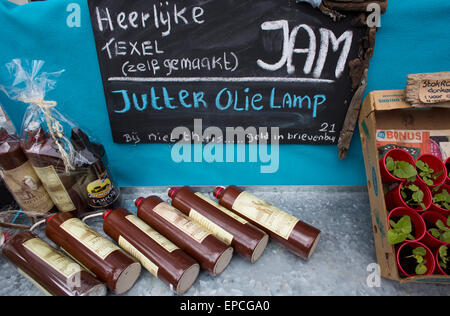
<point x="223" y="63"/>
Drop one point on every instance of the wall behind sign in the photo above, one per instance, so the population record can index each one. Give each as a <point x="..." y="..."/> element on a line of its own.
<point x="411" y="40"/>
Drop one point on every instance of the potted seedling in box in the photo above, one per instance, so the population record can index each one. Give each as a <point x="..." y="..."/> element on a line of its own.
<point x="443" y="260"/>
<point x="413" y="195"/>
<point x="441" y="199"/>
<point x="405" y="225"/>
<point x="442" y="231"/>
<point x="431" y="170"/>
<point x="438" y="229"/>
<point x="397" y="166"/>
<point x="414" y="259"/>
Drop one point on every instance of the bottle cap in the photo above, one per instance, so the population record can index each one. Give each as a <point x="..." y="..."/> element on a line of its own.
<point x="35" y="131"/>
<point x="172" y="191"/>
<point x="217" y="191"/>
<point x="139" y="201"/>
<point x="48" y="219"/>
<point x="106" y="213"/>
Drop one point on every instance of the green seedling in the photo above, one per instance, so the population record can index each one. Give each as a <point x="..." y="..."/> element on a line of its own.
<point x="419" y="253"/>
<point x="426" y="173"/>
<point x="413" y="196"/>
<point x="441" y="232"/>
<point x="400" y="231"/>
<point x="442" y="200"/>
<point x="401" y="169"/>
<point x="444" y="259"/>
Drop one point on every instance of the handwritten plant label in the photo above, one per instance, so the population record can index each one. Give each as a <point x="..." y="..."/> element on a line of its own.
<point x="230" y="63"/>
<point x="434" y="91"/>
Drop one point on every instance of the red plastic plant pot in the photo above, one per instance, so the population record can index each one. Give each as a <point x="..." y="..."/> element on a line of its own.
<point x="397" y="154"/>
<point x="394" y="197"/>
<point x="437" y="208"/>
<point x="447" y="166"/>
<point x="440" y="269"/>
<point x="405" y="250"/>
<point x="432" y="217"/>
<point x="417" y="221"/>
<point x="437" y="165"/>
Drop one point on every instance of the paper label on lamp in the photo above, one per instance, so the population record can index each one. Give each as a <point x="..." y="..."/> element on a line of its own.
<point x="146" y="262"/>
<point x="55" y="188"/>
<point x="27" y="189"/>
<point x="223" y="209"/>
<point x="182" y="222"/>
<point x="265" y="214"/>
<point x="92" y="240"/>
<point x="153" y="234"/>
<point x="52" y="257"/>
<point x="215" y="229"/>
<point x="434" y="91"/>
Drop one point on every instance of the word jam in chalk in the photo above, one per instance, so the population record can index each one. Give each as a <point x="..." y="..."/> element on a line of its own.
<point x="225" y="99"/>
<point x="229" y="63"/>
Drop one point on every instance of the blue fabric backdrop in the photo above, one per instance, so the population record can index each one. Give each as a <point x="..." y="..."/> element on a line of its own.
<point x="413" y="38"/>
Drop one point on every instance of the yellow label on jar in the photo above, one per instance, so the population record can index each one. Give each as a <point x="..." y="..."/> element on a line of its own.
<point x="92" y="240"/>
<point x="27" y="189"/>
<point x="52" y="257"/>
<point x="153" y="234"/>
<point x="212" y="227"/>
<point x="146" y="262"/>
<point x="223" y="209"/>
<point x="55" y="188"/>
<point x="265" y="214"/>
<point x="181" y="221"/>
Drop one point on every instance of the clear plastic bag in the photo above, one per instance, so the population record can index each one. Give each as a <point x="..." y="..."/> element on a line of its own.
<point x="19" y="177"/>
<point x="66" y="159"/>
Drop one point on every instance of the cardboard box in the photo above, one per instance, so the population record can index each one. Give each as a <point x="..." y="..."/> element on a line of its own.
<point x="388" y="110"/>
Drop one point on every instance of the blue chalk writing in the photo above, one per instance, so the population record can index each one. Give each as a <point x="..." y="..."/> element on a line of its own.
<point x="183" y="95"/>
<point x="144" y="102"/>
<point x="126" y="99"/>
<point x="226" y="99"/>
<point x="317" y="103"/>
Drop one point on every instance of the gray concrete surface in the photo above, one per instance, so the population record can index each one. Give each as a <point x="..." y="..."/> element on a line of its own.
<point x="339" y="267"/>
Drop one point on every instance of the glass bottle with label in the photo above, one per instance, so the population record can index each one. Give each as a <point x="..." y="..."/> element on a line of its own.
<point x="297" y="236"/>
<point x="155" y="252"/>
<point x="96" y="253"/>
<point x="212" y="254"/>
<point x="96" y="182"/>
<point x="246" y="239"/>
<point x="21" y="179"/>
<point x="46" y="159"/>
<point x="51" y="271"/>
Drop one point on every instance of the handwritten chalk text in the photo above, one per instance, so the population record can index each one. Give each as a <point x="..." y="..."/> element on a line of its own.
<point x="160" y="99"/>
<point x="163" y="16"/>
